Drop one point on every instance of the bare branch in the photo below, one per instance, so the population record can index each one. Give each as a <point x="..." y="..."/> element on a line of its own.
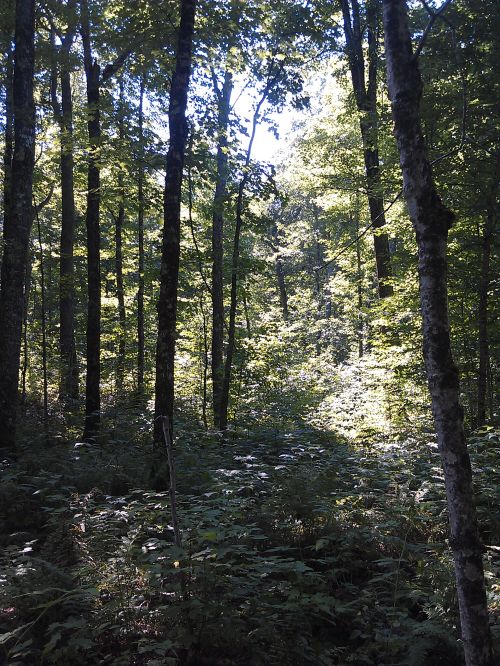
<point x="434" y="15"/>
<point x="359" y="236"/>
<point x="38" y="207"/>
<point x="111" y="69"/>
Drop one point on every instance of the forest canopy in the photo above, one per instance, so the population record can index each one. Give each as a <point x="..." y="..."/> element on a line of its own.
<point x="248" y="342"/>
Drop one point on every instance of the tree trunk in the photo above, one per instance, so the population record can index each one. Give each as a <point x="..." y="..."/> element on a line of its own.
<point x="92" y="221"/>
<point x="431" y="220"/>
<point x="16" y="232"/>
<point x="366" y="102"/>
<point x="482" y="318"/>
<point x="43" y="312"/>
<point x="224" y="105"/>
<point x="119" y="221"/>
<point x="26" y="300"/>
<point x="169" y="271"/>
<point x="120" y="291"/>
<point x="280" y="271"/>
<point x="204" y="363"/>
<point x="224" y="404"/>
<point x="140" y="247"/>
<point x="231" y="334"/>
<point x="68" y="382"/>
<point x="359" y="284"/>
<point x="484" y="285"/>
<point x="9" y="137"/>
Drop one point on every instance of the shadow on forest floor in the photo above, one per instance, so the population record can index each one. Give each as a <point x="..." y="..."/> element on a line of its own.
<point x="297" y="548"/>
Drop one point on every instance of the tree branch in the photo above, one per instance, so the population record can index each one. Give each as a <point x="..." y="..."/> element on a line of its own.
<point x="359" y="236"/>
<point x="38" y="207"/>
<point x="111" y="69"/>
<point x="434" y="15"/>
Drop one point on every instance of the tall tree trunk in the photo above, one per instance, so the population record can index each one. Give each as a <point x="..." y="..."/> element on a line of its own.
<point x="16" y="232"/>
<point x="92" y="388"/>
<point x="231" y="334"/>
<point x="120" y="291"/>
<point x="169" y="271"/>
<point x="482" y="318"/>
<point x="119" y="221"/>
<point x="359" y="283"/>
<point x="68" y="381"/>
<point x="366" y="102"/>
<point x="280" y="270"/>
<point x="432" y="220"/>
<point x="224" y="105"/>
<point x="9" y="137"/>
<point x="484" y="285"/>
<point x="140" y="246"/>
<point x="204" y="363"/>
<point x="43" y="312"/>
<point x="26" y="300"/>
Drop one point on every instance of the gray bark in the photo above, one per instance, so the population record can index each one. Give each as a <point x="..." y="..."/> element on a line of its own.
<point x="431" y="221"/>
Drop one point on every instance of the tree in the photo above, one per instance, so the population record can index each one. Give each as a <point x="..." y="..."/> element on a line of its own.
<point x="365" y="94"/>
<point x="140" y="243"/>
<point x="63" y="112"/>
<point x="432" y="220"/>
<point x="223" y="109"/>
<point x="19" y="220"/>
<point x="9" y="134"/>
<point x="92" y="220"/>
<point x="169" y="270"/>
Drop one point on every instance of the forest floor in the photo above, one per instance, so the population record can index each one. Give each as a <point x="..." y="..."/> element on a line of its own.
<point x="297" y="548"/>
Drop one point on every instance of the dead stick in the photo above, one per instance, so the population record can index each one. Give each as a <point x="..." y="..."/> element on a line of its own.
<point x="171" y="468"/>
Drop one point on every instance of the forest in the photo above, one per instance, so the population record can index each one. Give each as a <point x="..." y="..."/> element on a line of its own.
<point x="248" y="344"/>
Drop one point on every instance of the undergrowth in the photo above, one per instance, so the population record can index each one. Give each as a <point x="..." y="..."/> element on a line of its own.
<point x="297" y="548"/>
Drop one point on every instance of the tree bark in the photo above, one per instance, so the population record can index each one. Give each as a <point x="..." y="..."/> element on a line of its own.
<point x="16" y="232"/>
<point x="9" y="136"/>
<point x="140" y="246"/>
<point x="68" y="381"/>
<point x="484" y="285"/>
<point x="26" y="299"/>
<point x="482" y="319"/>
<point x="169" y="270"/>
<point x="366" y="102"/>
<point x="119" y="222"/>
<point x="431" y="221"/>
<point x="280" y="270"/>
<point x="359" y="284"/>
<point x="92" y="221"/>
<point x="204" y="363"/>
<point x="43" y="313"/>
<point x="224" y="105"/>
